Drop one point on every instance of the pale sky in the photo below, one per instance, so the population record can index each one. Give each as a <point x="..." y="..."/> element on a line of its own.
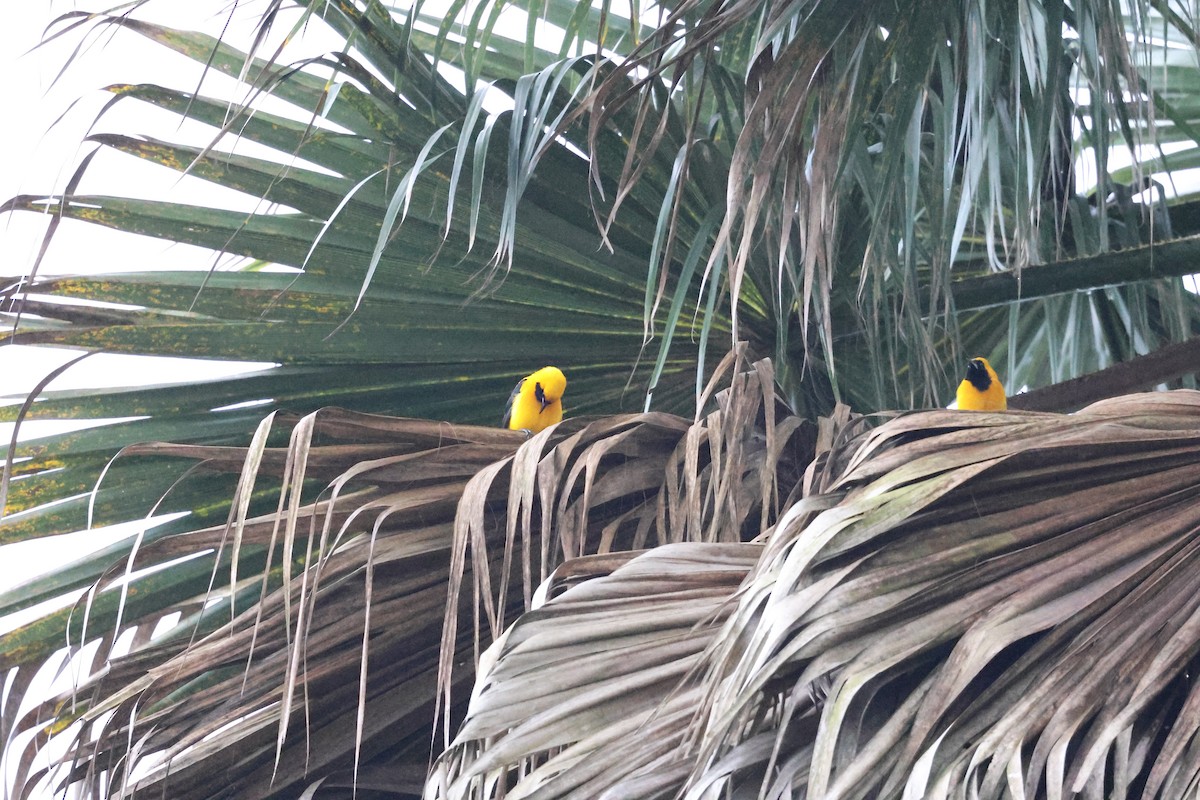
<point x="40" y="152"/>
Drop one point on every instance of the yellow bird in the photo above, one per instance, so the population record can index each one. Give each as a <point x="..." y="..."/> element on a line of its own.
<point x="536" y="402"/>
<point x="981" y="390"/>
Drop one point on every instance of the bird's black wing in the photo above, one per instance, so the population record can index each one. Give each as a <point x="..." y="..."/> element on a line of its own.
<point x="512" y="398"/>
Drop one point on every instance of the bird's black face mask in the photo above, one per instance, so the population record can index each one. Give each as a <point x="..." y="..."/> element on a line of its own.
<point x="540" y="394"/>
<point x="977" y="375"/>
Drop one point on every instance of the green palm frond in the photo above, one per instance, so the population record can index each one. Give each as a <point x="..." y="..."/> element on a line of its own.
<point x="888" y="154"/>
<point x="394" y="309"/>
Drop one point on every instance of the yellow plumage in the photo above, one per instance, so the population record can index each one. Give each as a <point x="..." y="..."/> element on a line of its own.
<point x="981" y="390"/>
<point x="536" y="402"/>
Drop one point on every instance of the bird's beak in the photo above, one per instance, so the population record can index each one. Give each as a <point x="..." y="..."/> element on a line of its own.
<point x="545" y="402"/>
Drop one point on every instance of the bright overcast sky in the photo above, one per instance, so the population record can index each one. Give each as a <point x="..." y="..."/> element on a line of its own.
<point x="50" y="115"/>
<point x="40" y="152"/>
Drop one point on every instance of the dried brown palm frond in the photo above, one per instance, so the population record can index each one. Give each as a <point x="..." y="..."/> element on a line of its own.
<point x="622" y="484"/>
<point x="594" y="691"/>
<point x="260" y="679"/>
<point x="311" y="650"/>
<point x="964" y="605"/>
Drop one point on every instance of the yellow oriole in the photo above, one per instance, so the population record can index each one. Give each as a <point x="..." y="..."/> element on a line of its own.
<point x="981" y="390"/>
<point x="536" y="402"/>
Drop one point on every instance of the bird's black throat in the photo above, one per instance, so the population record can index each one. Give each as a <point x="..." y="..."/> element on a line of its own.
<point x="977" y="375"/>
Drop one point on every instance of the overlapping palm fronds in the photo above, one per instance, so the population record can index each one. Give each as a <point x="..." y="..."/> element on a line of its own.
<point x="890" y="153"/>
<point x="384" y="188"/>
<point x="435" y="249"/>
<point x="594" y="692"/>
<point x="321" y="663"/>
<point x="397" y="192"/>
<point x="964" y="605"/>
<point x="392" y="186"/>
<point x="385" y="309"/>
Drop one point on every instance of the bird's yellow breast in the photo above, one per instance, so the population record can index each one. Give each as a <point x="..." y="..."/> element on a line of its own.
<point x="536" y="402"/>
<point x="981" y="390"/>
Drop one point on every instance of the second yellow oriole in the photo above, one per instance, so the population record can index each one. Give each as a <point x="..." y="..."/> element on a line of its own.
<point x="981" y="390"/>
<point x="536" y="402"/>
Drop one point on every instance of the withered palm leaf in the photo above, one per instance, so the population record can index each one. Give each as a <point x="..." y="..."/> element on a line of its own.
<point x="322" y="662"/>
<point x="964" y="605"/>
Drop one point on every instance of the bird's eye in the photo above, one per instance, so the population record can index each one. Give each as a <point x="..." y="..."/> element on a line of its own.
<point x="539" y="393"/>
